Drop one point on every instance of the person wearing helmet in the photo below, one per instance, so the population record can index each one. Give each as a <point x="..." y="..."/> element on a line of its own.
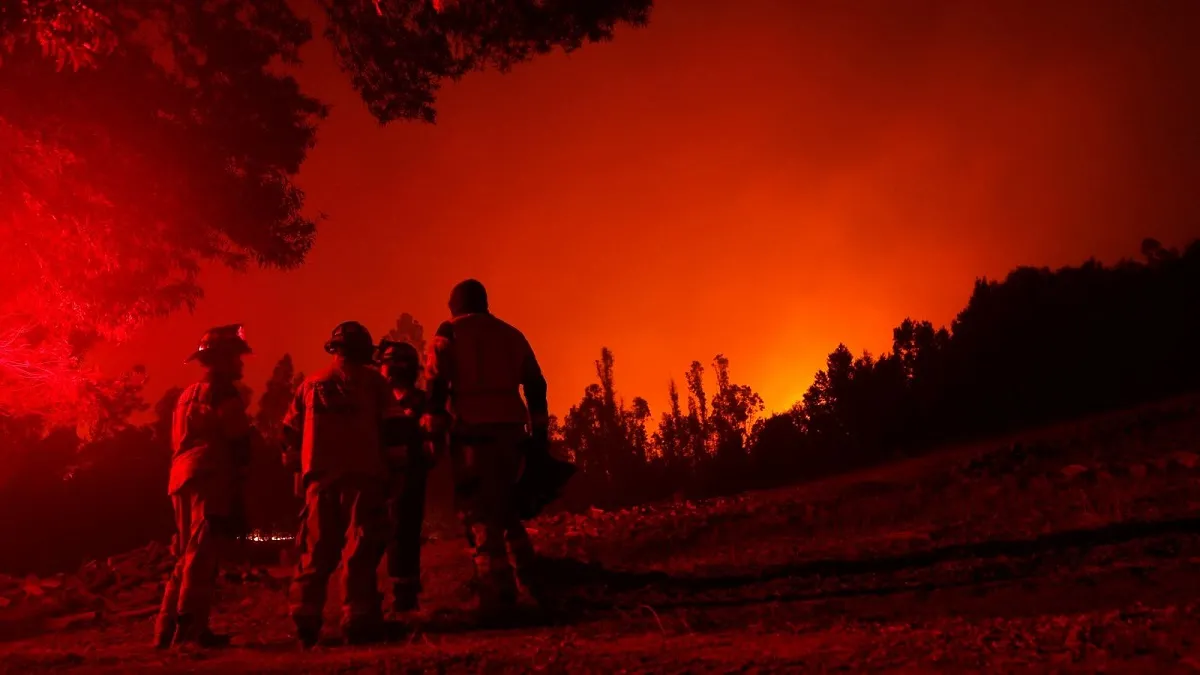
<point x="210" y="438"/>
<point x="410" y="454"/>
<point x="333" y="438"/>
<point x="476" y="369"/>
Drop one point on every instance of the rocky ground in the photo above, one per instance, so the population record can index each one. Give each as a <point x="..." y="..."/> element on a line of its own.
<point x="1070" y="549"/>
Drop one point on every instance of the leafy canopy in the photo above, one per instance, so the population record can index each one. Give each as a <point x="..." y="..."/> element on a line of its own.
<point x="142" y="140"/>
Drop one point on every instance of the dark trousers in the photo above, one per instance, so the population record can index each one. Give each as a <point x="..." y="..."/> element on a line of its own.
<point x="407" y="511"/>
<point x="487" y="462"/>
<point x="341" y="522"/>
<point x="202" y="507"/>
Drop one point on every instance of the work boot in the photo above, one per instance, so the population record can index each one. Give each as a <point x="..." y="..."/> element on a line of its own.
<point x="164" y="633"/>
<point x="496" y="615"/>
<point x="211" y="640"/>
<point x="189" y="631"/>
<point x="539" y="588"/>
<point x="363" y="632"/>
<point x="308" y="630"/>
<point x="497" y="605"/>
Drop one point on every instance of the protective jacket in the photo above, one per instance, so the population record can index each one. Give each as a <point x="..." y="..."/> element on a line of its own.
<point x="209" y="433"/>
<point x="476" y="368"/>
<point x="335" y="418"/>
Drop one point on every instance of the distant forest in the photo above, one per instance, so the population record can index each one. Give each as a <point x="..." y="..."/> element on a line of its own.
<point x="1039" y="346"/>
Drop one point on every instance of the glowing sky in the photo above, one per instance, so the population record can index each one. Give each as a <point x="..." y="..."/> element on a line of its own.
<point x="762" y="178"/>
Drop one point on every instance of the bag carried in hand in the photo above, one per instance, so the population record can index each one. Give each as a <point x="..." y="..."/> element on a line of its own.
<point x="541" y="482"/>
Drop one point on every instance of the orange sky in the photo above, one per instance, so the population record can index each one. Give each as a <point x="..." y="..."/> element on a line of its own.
<point x="760" y="183"/>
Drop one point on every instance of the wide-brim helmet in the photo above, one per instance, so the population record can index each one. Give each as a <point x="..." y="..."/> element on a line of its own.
<point x="397" y="351"/>
<point x="229" y="339"/>
<point x="350" y="336"/>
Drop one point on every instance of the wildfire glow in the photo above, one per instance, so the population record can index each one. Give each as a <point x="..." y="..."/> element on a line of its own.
<point x="260" y="536"/>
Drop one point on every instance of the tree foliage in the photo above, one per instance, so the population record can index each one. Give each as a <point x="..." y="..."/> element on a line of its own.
<point x="275" y="400"/>
<point x="142" y="140"/>
<point x="623" y="458"/>
<point x="399" y="53"/>
<point x="271" y="502"/>
<point x="184" y="156"/>
<point x="408" y="329"/>
<point x="1039" y="346"/>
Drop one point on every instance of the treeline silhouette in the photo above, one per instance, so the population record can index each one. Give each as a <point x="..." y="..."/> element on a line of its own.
<point x="1038" y="346"/>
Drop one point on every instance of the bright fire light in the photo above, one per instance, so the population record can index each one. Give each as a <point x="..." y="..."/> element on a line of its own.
<point x="259" y="536"/>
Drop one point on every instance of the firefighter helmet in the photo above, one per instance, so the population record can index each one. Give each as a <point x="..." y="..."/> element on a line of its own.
<point x="222" y="339"/>
<point x="396" y="351"/>
<point x="350" y="336"/>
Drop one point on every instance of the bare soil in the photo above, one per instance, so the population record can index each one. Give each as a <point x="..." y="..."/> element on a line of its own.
<point x="1072" y="549"/>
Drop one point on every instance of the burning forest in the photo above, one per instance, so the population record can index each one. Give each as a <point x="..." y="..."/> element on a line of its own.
<point x="612" y="336"/>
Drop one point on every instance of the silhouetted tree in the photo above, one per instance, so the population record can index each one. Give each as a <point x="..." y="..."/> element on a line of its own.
<point x="275" y="400"/>
<point x="271" y="502"/>
<point x="735" y="407"/>
<point x="189" y="145"/>
<point x="609" y="442"/>
<point x="699" y="432"/>
<point x="399" y="53"/>
<point x="164" y="414"/>
<point x="671" y="440"/>
<point x="780" y="451"/>
<point x="634" y="420"/>
<point x="1038" y="346"/>
<point x="581" y="432"/>
<point x="408" y="329"/>
<point x="114" y="402"/>
<point x="185" y="156"/>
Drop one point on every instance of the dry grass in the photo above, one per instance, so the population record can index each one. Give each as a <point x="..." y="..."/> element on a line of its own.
<point x="1046" y="551"/>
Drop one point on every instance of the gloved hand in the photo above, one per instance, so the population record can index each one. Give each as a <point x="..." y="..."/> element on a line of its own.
<point x="433" y="424"/>
<point x="544" y="476"/>
<point x="291" y="459"/>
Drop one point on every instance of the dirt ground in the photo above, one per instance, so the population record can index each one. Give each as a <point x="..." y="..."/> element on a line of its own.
<point x="1075" y="549"/>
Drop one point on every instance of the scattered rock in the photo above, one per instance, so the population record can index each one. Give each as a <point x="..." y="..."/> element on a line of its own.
<point x="1185" y="459"/>
<point x="33" y="587"/>
<point x="98" y="589"/>
<point x="65" y="622"/>
<point x="1073" y="470"/>
<point x="139" y="613"/>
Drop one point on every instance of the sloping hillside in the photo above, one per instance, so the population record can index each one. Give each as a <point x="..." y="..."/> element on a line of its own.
<point x="1075" y="547"/>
